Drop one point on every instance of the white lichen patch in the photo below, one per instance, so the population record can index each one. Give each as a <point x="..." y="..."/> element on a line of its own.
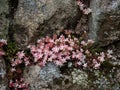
<point x="79" y="77"/>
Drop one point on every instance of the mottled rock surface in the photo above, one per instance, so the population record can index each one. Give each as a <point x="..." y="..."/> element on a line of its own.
<point x="104" y="79"/>
<point x="116" y="53"/>
<point x="40" y="78"/>
<point x="32" y="19"/>
<point x="3" y="79"/>
<point x="4" y="23"/>
<point x="41" y="17"/>
<point x="105" y="21"/>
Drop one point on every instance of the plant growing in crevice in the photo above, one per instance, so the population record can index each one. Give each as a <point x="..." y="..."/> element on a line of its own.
<point x="67" y="47"/>
<point x="83" y="7"/>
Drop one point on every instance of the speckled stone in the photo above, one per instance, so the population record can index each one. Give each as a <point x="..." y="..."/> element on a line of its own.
<point x="4" y="22"/>
<point x="39" y="17"/>
<point x="40" y="78"/>
<point x="80" y="77"/>
<point x="3" y="79"/>
<point x="104" y="22"/>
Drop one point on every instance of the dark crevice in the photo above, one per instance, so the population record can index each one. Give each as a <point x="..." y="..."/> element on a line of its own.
<point x="13" y="4"/>
<point x="113" y="43"/>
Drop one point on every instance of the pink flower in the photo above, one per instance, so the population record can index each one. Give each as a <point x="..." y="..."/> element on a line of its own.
<point x="50" y="45"/>
<point x="67" y="57"/>
<point x="83" y="43"/>
<point x="27" y="63"/>
<point x="21" y="54"/>
<point x="13" y="70"/>
<point x="52" y="57"/>
<point x="62" y="47"/>
<point x="81" y="5"/>
<point x="3" y="42"/>
<point x="70" y="48"/>
<point x="2" y="53"/>
<point x="11" y="84"/>
<point x="55" y="49"/>
<point x="90" y="41"/>
<point x="63" y="60"/>
<point x="79" y="63"/>
<point x="85" y="65"/>
<point x="87" y="11"/>
<point x="58" y="63"/>
<point x="101" y="59"/>
<point x="97" y="65"/>
<point x="87" y="52"/>
<point x="16" y="62"/>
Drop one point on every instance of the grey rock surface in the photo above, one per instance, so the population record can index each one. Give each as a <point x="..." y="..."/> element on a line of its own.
<point x="41" y="77"/>
<point x="3" y="79"/>
<point x="41" y="17"/>
<point x="104" y="22"/>
<point x="4" y="22"/>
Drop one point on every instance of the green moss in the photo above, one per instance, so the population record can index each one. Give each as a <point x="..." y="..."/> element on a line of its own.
<point x="106" y="64"/>
<point x="10" y="50"/>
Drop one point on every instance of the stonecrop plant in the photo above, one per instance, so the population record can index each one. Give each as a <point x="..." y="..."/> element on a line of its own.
<point x="59" y="49"/>
<point x="83" y="7"/>
<point x="67" y="48"/>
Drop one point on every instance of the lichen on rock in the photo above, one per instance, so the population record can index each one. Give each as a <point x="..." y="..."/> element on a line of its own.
<point x="80" y="77"/>
<point x="41" y="77"/>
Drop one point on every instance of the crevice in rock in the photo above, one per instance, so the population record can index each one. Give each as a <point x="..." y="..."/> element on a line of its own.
<point x="113" y="43"/>
<point x="13" y="4"/>
<point x="42" y="31"/>
<point x="84" y="21"/>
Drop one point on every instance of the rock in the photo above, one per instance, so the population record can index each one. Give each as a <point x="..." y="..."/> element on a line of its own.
<point x="3" y="79"/>
<point x="4" y="22"/>
<point x="116" y="53"/>
<point x="105" y="79"/>
<point x="41" y="77"/>
<point x="104" y="22"/>
<point x="80" y="77"/>
<point x="42" y="17"/>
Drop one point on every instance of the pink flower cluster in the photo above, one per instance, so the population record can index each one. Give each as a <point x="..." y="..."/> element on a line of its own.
<point x="58" y="49"/>
<point x="19" y="84"/>
<point x="20" y="58"/>
<point x="66" y="48"/>
<point x="83" y="8"/>
<point x="2" y="43"/>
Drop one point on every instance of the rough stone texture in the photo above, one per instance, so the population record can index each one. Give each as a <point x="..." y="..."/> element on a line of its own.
<point x="106" y="79"/>
<point x="40" y="78"/>
<point x="80" y="77"/>
<point x="3" y="80"/>
<point x="116" y="53"/>
<point x="105" y="21"/>
<point x="39" y="17"/>
<point x="4" y="23"/>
